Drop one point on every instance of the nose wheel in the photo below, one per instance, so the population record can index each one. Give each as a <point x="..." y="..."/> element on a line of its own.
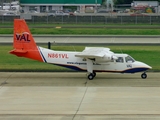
<point x="144" y="75"/>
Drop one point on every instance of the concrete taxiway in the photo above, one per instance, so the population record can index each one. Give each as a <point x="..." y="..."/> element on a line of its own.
<point x="70" y="96"/>
<point x="92" y="39"/>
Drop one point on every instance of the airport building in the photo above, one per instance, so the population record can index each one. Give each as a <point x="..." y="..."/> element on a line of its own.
<point x="47" y="5"/>
<point x="145" y="6"/>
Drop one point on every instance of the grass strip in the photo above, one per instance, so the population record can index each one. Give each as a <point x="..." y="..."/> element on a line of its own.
<point x="86" y="31"/>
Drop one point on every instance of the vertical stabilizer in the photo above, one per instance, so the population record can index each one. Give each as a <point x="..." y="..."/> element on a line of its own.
<point x="23" y="42"/>
<point x="22" y="36"/>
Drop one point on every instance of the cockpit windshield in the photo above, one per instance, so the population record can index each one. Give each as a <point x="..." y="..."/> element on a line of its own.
<point x="129" y="59"/>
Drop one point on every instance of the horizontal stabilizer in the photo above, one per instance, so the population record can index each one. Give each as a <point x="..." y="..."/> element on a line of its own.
<point x="18" y="52"/>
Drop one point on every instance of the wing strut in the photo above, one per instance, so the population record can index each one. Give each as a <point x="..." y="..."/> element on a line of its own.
<point x="91" y="74"/>
<point x="89" y="66"/>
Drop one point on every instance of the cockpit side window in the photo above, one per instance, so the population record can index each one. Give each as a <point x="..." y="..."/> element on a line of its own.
<point x="120" y="60"/>
<point x="129" y="59"/>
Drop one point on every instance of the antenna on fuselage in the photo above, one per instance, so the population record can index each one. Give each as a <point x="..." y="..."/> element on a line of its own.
<point x="74" y="48"/>
<point x="66" y="41"/>
<point x="121" y="50"/>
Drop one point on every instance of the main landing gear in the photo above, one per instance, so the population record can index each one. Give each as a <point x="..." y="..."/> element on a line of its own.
<point x="144" y="75"/>
<point x="91" y="75"/>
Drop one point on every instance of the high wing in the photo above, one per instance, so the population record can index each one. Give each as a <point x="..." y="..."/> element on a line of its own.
<point x="92" y="52"/>
<point x="97" y="53"/>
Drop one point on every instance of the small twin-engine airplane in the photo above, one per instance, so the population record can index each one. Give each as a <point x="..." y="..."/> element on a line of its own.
<point x="91" y="59"/>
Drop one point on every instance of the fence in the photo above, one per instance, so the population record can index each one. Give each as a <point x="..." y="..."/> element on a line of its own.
<point x="95" y="19"/>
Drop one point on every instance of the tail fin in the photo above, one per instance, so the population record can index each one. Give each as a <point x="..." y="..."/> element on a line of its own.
<point x="23" y="42"/>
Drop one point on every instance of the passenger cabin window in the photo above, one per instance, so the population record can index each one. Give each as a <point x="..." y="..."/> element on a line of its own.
<point x="120" y="60"/>
<point x="129" y="59"/>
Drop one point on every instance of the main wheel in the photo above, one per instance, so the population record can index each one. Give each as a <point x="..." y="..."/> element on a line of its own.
<point x="90" y="76"/>
<point x="144" y="76"/>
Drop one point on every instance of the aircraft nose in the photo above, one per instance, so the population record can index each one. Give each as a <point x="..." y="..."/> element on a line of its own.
<point x="145" y="65"/>
<point x="149" y="67"/>
<point x="142" y="65"/>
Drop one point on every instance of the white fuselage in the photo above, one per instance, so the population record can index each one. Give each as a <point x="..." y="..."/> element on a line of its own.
<point x="68" y="59"/>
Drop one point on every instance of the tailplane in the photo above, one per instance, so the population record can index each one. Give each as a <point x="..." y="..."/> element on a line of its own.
<point x="23" y="42"/>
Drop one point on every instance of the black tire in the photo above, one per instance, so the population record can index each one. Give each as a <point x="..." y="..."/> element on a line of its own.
<point x="144" y="76"/>
<point x="90" y="76"/>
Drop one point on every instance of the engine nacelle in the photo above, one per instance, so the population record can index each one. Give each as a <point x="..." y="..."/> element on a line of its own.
<point x="107" y="58"/>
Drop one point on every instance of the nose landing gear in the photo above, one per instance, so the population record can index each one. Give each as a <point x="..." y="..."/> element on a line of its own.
<point x="144" y="75"/>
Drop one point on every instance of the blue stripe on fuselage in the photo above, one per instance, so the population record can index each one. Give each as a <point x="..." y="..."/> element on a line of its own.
<point x="132" y="70"/>
<point x="42" y="55"/>
<point x="71" y="67"/>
